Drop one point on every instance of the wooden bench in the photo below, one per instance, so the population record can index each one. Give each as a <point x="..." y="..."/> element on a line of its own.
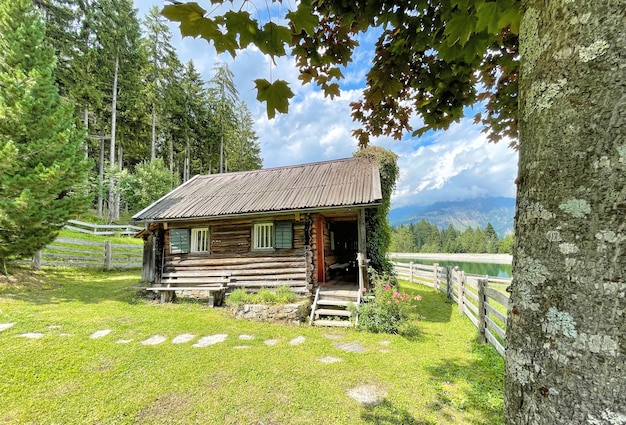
<point x="215" y="292"/>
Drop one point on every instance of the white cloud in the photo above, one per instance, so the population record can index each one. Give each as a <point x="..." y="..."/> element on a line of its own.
<point x="446" y="165"/>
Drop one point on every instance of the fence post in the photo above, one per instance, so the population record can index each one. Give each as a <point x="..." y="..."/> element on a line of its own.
<point x="436" y="275"/>
<point x="37" y="260"/>
<point x="411" y="271"/>
<point x="461" y="291"/>
<point x="449" y="279"/>
<point x="482" y="312"/>
<point x="107" y="255"/>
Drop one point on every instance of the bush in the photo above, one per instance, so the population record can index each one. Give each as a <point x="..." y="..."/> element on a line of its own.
<point x="388" y="310"/>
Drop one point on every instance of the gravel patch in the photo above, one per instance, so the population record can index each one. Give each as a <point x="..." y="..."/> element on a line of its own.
<point x="181" y="339"/>
<point x="154" y="340"/>
<point x="100" y="334"/>
<point x="368" y="395"/>
<point x="205" y="341"/>
<point x="4" y="326"/>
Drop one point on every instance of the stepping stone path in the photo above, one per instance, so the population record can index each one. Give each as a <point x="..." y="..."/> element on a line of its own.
<point x="349" y="347"/>
<point x="246" y="337"/>
<point x="124" y="341"/>
<point x="271" y="342"/>
<point x="154" y="340"/>
<point x="181" y="339"/>
<point x="205" y="341"/>
<point x="32" y="335"/>
<point x="368" y="395"/>
<point x="297" y="340"/>
<point x="100" y="334"/>
<point x="329" y="359"/>
<point x="4" y="326"/>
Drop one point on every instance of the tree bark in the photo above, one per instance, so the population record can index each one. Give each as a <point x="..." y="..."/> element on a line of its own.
<point x="566" y="337"/>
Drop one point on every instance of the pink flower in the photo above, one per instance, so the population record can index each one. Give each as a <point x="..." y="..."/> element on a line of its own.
<point x="418" y="298"/>
<point x="389" y="302"/>
<point x="387" y="287"/>
<point x="397" y="301"/>
<point x="396" y="295"/>
<point x="405" y="296"/>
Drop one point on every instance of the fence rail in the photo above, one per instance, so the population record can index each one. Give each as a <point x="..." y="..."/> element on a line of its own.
<point x="483" y="299"/>
<point x="102" y="229"/>
<point x="80" y="253"/>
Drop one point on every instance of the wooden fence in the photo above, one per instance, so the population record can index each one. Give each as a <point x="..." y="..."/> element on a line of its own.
<point x="483" y="299"/>
<point x="102" y="229"/>
<point x="80" y="253"/>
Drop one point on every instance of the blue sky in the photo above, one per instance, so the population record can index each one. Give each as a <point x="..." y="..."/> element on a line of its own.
<point x="440" y="166"/>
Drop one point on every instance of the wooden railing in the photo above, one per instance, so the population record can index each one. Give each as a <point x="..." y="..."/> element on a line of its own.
<point x="102" y="229"/>
<point x="483" y="299"/>
<point x="81" y="253"/>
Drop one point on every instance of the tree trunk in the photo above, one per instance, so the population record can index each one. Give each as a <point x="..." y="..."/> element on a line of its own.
<point x="566" y="338"/>
<point x="112" y="146"/>
<point x="153" y="138"/>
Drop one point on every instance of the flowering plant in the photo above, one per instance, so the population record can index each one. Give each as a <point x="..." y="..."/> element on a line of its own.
<point x="387" y="310"/>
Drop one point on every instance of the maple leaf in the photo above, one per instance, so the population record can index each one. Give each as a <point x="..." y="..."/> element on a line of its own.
<point x="276" y="95"/>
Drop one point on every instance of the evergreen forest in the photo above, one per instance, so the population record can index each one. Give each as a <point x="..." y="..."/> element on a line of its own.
<point x="150" y="122"/>
<point x="428" y="238"/>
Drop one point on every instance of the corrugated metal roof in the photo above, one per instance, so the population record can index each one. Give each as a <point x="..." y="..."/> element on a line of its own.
<point x="329" y="184"/>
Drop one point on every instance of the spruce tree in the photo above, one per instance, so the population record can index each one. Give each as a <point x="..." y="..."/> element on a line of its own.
<point x="41" y="151"/>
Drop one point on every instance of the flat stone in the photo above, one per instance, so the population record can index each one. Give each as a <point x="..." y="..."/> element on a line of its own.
<point x="205" y="341"/>
<point x="4" y="326"/>
<point x="100" y="334"/>
<point x="123" y="341"/>
<point x="333" y="336"/>
<point x="182" y="338"/>
<point x="350" y="347"/>
<point x="271" y="342"/>
<point x="54" y="326"/>
<point x="154" y="340"/>
<point x="297" y="340"/>
<point x="367" y="395"/>
<point x="32" y="335"/>
<point x="329" y="359"/>
<point x="246" y="337"/>
<point x="385" y="342"/>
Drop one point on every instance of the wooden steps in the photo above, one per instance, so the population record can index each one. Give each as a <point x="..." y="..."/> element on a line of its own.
<point x="331" y="307"/>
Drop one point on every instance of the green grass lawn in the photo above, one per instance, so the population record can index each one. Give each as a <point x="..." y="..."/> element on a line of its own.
<point x="66" y="377"/>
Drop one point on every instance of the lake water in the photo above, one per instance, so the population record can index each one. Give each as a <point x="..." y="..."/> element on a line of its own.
<point x="497" y="270"/>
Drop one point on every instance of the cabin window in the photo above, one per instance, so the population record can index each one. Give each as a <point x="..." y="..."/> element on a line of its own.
<point x="263" y="235"/>
<point x="200" y="239"/>
<point x="283" y="234"/>
<point x="179" y="241"/>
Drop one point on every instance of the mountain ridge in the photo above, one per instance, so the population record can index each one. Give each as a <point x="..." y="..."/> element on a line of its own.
<point x="476" y="212"/>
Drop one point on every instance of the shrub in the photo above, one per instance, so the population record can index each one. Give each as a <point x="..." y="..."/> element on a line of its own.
<point x="388" y="310"/>
<point x="281" y="295"/>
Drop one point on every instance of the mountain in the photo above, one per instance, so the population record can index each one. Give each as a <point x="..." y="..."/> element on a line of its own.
<point x="477" y="212"/>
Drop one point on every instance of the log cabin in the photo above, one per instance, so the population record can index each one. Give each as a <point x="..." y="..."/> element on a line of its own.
<point x="302" y="226"/>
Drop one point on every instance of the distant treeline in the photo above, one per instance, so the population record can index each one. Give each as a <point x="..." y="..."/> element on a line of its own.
<point x="427" y="237"/>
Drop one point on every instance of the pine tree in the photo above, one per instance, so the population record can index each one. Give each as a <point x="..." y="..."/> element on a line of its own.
<point x="41" y="151"/>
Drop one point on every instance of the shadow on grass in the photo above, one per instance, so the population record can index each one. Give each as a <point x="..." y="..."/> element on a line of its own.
<point x="387" y="414"/>
<point x="476" y="385"/>
<point x="59" y="284"/>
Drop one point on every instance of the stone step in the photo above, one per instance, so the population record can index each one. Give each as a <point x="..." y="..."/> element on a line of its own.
<point x="332" y="312"/>
<point x="336" y="323"/>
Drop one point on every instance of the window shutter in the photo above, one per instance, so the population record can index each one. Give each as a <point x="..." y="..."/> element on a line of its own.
<point x="179" y="241"/>
<point x="283" y="234"/>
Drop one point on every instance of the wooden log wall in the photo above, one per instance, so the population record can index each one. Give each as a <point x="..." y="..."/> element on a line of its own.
<point x="231" y="256"/>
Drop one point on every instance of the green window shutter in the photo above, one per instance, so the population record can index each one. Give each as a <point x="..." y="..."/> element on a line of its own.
<point x="179" y="241"/>
<point x="283" y="234"/>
